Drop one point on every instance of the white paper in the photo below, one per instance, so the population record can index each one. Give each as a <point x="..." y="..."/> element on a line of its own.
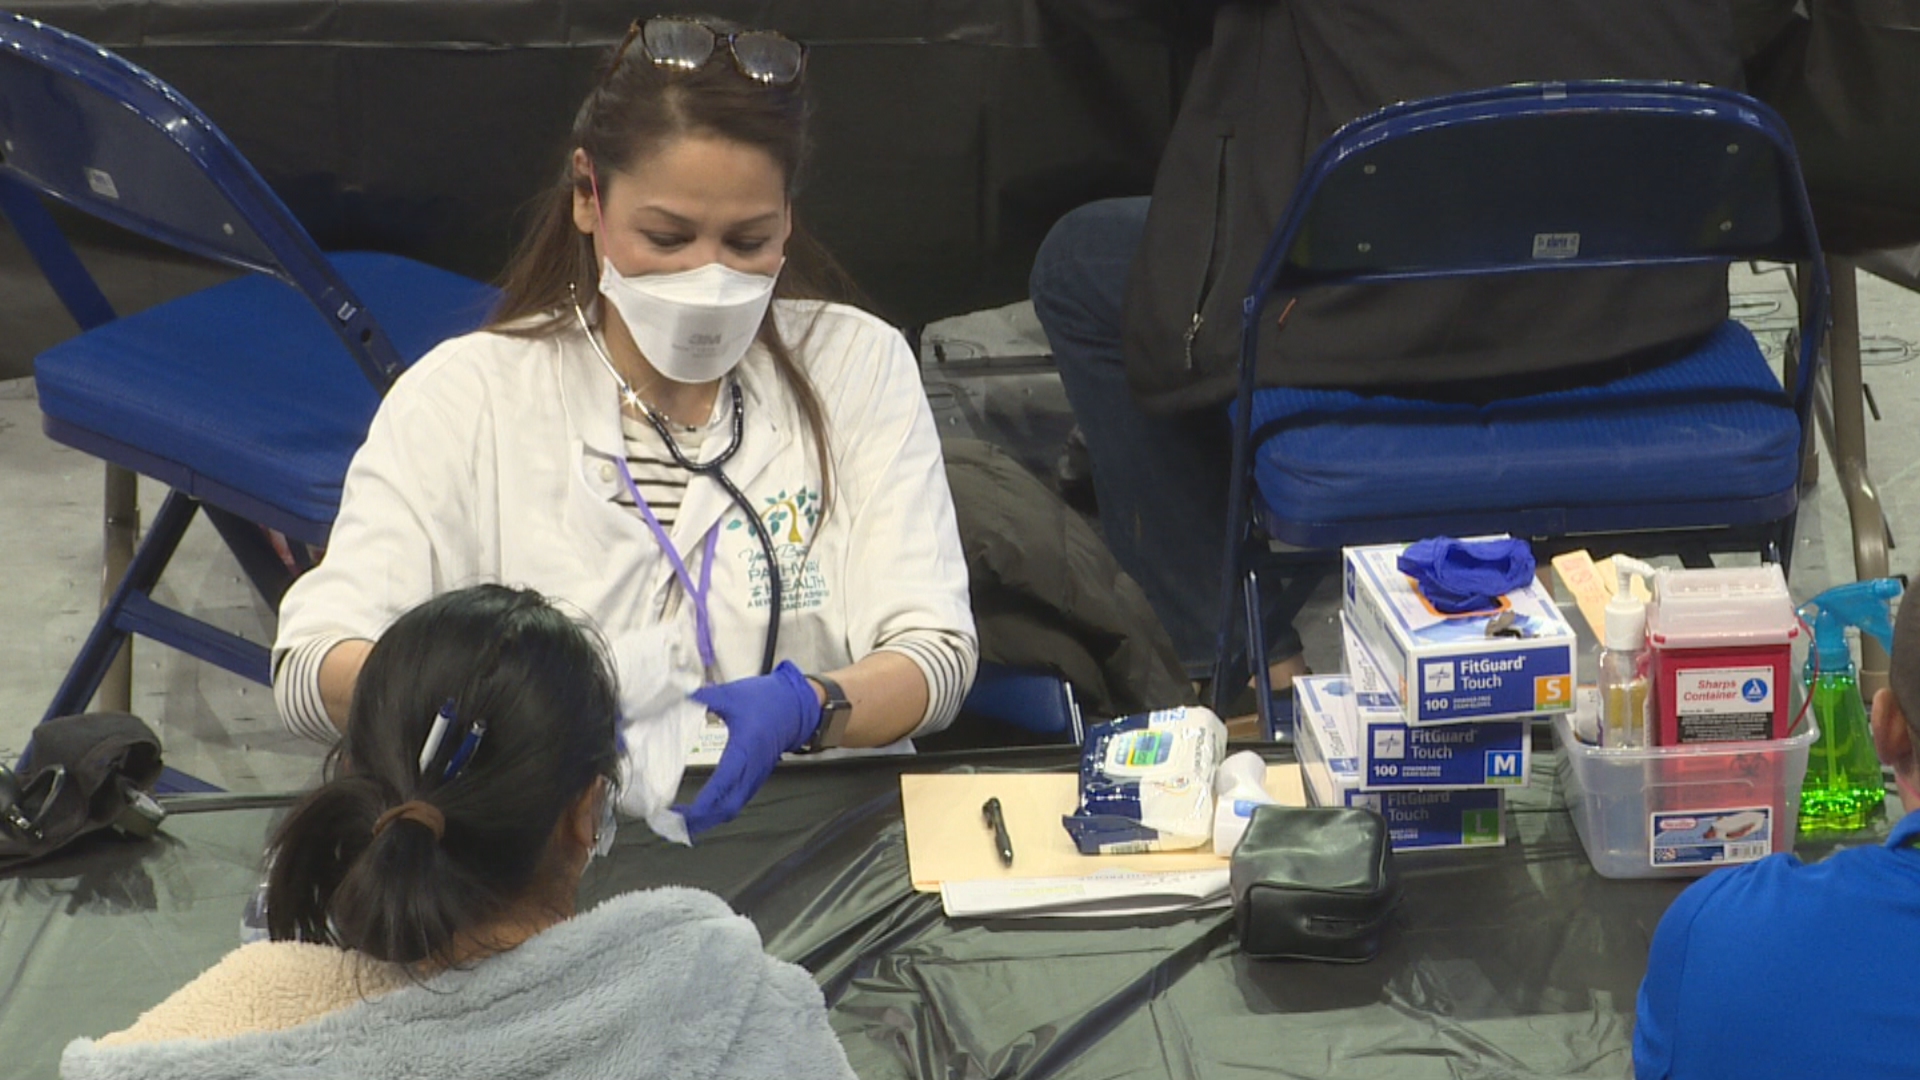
<point x="1107" y="892"/>
<point x="661" y="727"/>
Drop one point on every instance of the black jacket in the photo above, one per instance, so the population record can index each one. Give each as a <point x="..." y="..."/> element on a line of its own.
<point x="1277" y="78"/>
<point x="1047" y="594"/>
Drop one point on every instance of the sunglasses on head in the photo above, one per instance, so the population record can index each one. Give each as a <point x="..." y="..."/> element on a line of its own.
<point x="765" y="56"/>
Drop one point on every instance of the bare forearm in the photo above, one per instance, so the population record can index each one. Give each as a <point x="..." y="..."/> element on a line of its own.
<point x="888" y="694"/>
<point x="339" y="673"/>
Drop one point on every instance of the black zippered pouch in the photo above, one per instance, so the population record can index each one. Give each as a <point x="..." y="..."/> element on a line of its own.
<point x="1313" y="883"/>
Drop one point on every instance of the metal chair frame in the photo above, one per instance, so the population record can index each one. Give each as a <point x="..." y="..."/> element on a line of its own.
<point x="1304" y="252"/>
<point x="215" y="206"/>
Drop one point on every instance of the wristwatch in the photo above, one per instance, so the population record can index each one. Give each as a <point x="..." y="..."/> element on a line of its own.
<point x="834" y="714"/>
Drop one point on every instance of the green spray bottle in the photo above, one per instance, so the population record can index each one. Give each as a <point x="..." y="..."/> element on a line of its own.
<point x="1843" y="790"/>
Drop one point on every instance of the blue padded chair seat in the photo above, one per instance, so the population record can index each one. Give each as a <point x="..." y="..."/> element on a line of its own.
<point x="241" y="393"/>
<point x="1330" y="471"/>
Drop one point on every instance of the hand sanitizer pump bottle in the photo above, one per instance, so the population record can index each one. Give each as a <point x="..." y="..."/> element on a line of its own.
<point x="1625" y="688"/>
<point x="1843" y="790"/>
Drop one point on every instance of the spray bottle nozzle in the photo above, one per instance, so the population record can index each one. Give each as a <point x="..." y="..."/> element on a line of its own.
<point x="1863" y="604"/>
<point x="1625" y="569"/>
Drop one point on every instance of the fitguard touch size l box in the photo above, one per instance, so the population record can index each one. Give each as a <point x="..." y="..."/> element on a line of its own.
<point x="1330" y="762"/>
<point x="1447" y="668"/>
<point x="1394" y="755"/>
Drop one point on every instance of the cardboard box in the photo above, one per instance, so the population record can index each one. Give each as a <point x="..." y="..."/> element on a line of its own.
<point x="1330" y="766"/>
<point x="1362" y="666"/>
<point x="1444" y="668"/>
<point x="1392" y="754"/>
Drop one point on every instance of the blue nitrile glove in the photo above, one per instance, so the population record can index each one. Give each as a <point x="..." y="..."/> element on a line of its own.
<point x="1460" y="575"/>
<point x="766" y="716"/>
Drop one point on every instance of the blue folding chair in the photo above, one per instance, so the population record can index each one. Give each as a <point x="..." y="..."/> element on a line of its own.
<point x="246" y="399"/>
<point x="1701" y="454"/>
<point x="1037" y="704"/>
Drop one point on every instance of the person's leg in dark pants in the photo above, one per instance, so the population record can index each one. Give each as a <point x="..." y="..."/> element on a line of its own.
<point x="1160" y="478"/>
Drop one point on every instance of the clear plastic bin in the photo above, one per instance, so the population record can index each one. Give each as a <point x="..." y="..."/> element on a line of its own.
<point x="1680" y="811"/>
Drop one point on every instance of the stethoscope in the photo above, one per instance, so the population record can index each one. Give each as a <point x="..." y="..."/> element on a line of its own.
<point x="703" y="628"/>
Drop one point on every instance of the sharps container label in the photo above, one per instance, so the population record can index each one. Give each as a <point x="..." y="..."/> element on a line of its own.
<point x="1724" y="704"/>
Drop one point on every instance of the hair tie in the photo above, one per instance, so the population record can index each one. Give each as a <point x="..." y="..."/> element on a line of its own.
<point x="414" y="810"/>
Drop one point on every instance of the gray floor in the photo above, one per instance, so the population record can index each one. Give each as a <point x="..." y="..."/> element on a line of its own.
<point x="224" y="730"/>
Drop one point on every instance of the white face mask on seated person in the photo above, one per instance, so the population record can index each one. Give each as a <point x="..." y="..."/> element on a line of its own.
<point x="692" y="326"/>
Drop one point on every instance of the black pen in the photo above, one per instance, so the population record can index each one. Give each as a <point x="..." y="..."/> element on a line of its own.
<point x="1001" y="841"/>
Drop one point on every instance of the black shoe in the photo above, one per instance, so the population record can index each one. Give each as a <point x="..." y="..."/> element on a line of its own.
<point x="1073" y="474"/>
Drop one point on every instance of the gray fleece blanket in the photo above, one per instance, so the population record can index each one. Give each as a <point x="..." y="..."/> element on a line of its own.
<point x="663" y="983"/>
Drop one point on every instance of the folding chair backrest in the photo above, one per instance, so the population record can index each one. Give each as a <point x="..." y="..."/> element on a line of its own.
<point x="1583" y="174"/>
<point x="1036" y="702"/>
<point x="83" y="126"/>
<point x="1548" y="176"/>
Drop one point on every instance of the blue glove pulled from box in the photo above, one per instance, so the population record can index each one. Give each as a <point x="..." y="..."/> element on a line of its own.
<point x="1458" y="576"/>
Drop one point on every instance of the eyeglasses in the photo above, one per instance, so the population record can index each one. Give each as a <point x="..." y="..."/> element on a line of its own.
<point x="764" y="56"/>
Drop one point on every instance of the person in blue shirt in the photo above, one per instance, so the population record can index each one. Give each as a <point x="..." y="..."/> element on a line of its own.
<point x="1778" y="968"/>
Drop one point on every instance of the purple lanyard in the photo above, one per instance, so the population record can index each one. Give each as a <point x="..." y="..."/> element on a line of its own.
<point x="702" y="620"/>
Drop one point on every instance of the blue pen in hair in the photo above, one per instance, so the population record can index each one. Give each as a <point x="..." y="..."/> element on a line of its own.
<point x="464" y="752"/>
<point x="435" y="734"/>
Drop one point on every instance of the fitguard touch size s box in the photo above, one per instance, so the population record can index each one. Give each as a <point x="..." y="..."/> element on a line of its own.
<point x="1394" y="755"/>
<point x="1447" y="668"/>
<point x="1362" y="668"/>
<point x="1330" y="763"/>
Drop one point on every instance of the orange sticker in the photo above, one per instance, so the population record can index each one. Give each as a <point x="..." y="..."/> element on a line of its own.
<point x="1553" y="691"/>
<point x="1503" y="604"/>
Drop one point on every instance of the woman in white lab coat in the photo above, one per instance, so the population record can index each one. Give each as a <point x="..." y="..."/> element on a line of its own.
<point x="656" y="408"/>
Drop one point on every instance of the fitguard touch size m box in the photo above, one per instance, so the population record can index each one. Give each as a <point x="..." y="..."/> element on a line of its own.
<point x="1330" y="762"/>
<point x="1394" y="755"/>
<point x="1446" y="668"/>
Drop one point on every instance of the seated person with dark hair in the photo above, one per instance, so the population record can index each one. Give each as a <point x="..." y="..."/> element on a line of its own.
<point x="1777" y="968"/>
<point x="421" y="901"/>
<point x="1141" y="297"/>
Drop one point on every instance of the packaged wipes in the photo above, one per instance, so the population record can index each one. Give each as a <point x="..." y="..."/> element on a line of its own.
<point x="1146" y="783"/>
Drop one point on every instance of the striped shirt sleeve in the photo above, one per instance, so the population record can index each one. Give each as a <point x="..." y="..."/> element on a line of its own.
<point x="947" y="659"/>
<point x="296" y="689"/>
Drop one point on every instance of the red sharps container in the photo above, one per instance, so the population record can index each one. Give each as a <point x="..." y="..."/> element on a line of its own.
<point x="1722" y="642"/>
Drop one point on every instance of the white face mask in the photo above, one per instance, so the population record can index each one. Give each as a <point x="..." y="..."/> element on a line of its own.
<point x="694" y="326"/>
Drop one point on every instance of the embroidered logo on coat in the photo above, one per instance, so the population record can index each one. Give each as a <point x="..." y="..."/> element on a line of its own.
<point x="790" y="518"/>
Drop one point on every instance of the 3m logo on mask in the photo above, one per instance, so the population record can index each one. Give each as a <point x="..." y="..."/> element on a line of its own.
<point x="790" y="519"/>
<point x="693" y="326"/>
